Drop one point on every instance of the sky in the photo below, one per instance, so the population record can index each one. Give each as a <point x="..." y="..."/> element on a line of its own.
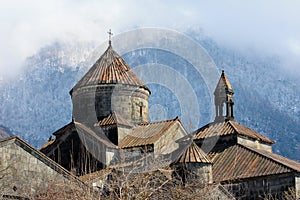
<point x="269" y="27"/>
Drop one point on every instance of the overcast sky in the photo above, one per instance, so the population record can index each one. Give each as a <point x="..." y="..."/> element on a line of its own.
<point x="268" y="27"/>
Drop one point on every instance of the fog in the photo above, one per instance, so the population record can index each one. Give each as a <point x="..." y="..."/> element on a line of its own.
<point x="264" y="27"/>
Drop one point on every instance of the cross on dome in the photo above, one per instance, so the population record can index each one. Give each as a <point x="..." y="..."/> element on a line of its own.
<point x="109" y="36"/>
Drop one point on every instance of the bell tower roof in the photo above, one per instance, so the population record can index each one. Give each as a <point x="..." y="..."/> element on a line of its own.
<point x="224" y="99"/>
<point x="110" y="68"/>
<point x="223" y="85"/>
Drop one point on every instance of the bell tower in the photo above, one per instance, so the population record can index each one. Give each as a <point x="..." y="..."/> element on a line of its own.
<point x="224" y="99"/>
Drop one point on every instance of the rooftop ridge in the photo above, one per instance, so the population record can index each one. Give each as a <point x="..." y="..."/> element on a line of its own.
<point x="258" y="136"/>
<point x="229" y="127"/>
<point x="147" y="134"/>
<point x="160" y="121"/>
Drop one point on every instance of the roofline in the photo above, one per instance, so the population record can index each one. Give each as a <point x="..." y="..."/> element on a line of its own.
<point x="95" y="65"/>
<point x="42" y="157"/>
<point x="271" y="141"/>
<point x="92" y="133"/>
<point x="109" y="84"/>
<point x="195" y="132"/>
<point x="257" y="151"/>
<point x="147" y="123"/>
<point x="161" y="121"/>
<point x="238" y="180"/>
<point x="62" y="128"/>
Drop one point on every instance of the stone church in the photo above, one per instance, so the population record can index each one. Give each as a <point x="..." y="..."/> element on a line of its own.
<point x="111" y="128"/>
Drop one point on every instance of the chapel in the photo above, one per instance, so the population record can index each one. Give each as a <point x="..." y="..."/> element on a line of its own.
<point x="111" y="129"/>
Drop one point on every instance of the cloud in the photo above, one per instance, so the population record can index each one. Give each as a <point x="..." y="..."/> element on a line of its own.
<point x="269" y="27"/>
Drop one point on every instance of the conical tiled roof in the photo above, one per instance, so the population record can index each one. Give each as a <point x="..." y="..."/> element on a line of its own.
<point x="193" y="154"/>
<point x="223" y="84"/>
<point x="110" y="68"/>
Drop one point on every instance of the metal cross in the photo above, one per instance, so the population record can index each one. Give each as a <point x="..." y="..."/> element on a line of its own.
<point x="109" y="35"/>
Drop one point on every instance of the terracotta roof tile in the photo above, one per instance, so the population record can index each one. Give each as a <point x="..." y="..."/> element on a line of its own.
<point x="223" y="84"/>
<point x="278" y="158"/>
<point x="110" y="68"/>
<point x="238" y="162"/>
<point x="193" y="154"/>
<point x="114" y="119"/>
<point x="228" y="128"/>
<point x="147" y="133"/>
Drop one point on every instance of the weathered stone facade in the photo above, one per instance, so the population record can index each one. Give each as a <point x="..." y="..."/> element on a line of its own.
<point x="191" y="173"/>
<point x="167" y="144"/>
<point x="25" y="172"/>
<point x="297" y="186"/>
<point x="254" y="143"/>
<point x="269" y="187"/>
<point x="93" y="103"/>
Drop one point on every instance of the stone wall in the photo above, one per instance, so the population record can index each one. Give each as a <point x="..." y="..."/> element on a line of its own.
<point x="297" y="186"/>
<point x="272" y="187"/>
<point x="90" y="104"/>
<point x="167" y="144"/>
<point x="123" y="131"/>
<point x="26" y="172"/>
<point x="253" y="143"/>
<point x="202" y="170"/>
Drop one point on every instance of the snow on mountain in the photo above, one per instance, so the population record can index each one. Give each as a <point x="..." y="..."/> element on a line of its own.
<point x="266" y="99"/>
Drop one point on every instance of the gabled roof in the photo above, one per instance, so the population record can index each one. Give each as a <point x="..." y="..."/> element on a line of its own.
<point x="110" y="68"/>
<point x="84" y="132"/>
<point x="228" y="128"/>
<point x="223" y="84"/>
<point x="193" y="154"/>
<point x="37" y="154"/>
<point x="147" y="133"/>
<point x="87" y="133"/>
<point x="114" y="119"/>
<point x="239" y="162"/>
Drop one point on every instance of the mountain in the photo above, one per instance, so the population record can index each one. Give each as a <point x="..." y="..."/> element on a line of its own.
<point x="37" y="102"/>
<point x="5" y="132"/>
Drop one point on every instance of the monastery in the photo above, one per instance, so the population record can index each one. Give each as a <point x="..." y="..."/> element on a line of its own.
<point x="111" y="130"/>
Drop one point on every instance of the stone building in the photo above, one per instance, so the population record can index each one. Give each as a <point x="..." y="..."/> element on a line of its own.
<point x="110" y="85"/>
<point x="111" y="129"/>
<point x="193" y="163"/>
<point x="110" y="105"/>
<point x="80" y="149"/>
<point x="242" y="159"/>
<point x="25" y="172"/>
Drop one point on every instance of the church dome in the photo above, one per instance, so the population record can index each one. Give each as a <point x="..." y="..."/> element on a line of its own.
<point x="110" y="86"/>
<point x="110" y="68"/>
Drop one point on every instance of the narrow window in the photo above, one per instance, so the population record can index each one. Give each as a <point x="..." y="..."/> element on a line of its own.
<point x="141" y="110"/>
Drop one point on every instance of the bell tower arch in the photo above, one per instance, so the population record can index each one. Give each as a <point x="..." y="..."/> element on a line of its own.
<point x="224" y="101"/>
